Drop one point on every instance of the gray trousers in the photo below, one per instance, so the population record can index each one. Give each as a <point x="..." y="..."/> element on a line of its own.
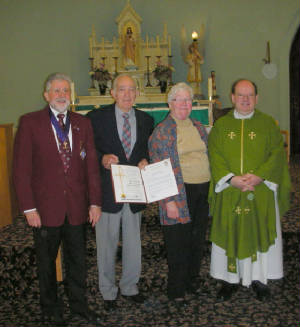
<point x="107" y="238"/>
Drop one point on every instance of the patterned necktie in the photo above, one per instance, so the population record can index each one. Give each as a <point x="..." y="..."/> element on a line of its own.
<point x="64" y="147"/>
<point x="126" y="135"/>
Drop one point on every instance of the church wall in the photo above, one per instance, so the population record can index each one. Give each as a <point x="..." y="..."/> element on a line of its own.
<point x="40" y="37"/>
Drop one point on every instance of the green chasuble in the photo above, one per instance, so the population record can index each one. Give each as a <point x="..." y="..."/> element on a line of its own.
<point x="245" y="222"/>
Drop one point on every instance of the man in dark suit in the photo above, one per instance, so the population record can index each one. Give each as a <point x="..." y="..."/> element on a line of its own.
<point x="57" y="181"/>
<point x="109" y="126"/>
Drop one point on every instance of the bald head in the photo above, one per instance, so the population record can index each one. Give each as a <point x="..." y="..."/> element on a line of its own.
<point x="124" y="92"/>
<point x="244" y="96"/>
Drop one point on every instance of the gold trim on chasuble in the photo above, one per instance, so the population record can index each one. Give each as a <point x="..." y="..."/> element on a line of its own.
<point x="242" y="147"/>
<point x="231" y="262"/>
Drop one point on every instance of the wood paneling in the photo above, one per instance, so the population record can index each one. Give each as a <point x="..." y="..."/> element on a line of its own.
<point x="8" y="205"/>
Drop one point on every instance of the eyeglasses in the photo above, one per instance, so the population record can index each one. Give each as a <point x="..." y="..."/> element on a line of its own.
<point x="242" y="96"/>
<point x="182" y="100"/>
<point x="124" y="89"/>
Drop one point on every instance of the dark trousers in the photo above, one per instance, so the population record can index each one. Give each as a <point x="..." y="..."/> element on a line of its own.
<point x="185" y="242"/>
<point x="197" y="195"/>
<point x="47" y="241"/>
<point x="177" y="240"/>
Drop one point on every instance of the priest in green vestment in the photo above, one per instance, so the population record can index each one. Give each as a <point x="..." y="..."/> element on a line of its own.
<point x="249" y="192"/>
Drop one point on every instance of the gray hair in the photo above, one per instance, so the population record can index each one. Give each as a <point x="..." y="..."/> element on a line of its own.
<point x="116" y="79"/>
<point x="178" y="87"/>
<point x="55" y="77"/>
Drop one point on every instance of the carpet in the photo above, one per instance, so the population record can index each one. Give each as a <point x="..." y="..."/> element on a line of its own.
<point x="19" y="294"/>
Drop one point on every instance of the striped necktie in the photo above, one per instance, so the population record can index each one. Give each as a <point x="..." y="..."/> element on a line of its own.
<point x="126" y="135"/>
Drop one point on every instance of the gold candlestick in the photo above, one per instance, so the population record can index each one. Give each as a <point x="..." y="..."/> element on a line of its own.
<point x="148" y="72"/>
<point x="116" y="65"/>
<point x="73" y="97"/>
<point x="170" y="64"/>
<point x="197" y="77"/>
<point x="91" y="59"/>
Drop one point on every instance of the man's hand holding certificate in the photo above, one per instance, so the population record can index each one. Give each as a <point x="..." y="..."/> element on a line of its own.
<point x="153" y="183"/>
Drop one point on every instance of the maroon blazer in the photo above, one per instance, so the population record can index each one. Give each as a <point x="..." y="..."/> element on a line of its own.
<point x="38" y="173"/>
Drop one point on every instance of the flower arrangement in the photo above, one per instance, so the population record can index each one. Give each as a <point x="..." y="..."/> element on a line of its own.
<point x="162" y="72"/>
<point x="102" y="75"/>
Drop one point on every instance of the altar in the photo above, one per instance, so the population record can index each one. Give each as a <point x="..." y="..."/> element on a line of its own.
<point x="147" y="60"/>
<point x="202" y="110"/>
<point x="128" y="52"/>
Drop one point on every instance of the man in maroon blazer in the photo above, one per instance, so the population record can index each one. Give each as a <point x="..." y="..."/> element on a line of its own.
<point x="56" y="176"/>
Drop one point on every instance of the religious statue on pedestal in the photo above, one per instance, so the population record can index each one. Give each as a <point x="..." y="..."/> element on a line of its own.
<point x="129" y="48"/>
<point x="194" y="60"/>
<point x="192" y="55"/>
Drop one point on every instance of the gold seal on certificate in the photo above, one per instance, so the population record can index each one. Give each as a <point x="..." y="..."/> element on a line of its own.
<point x="153" y="183"/>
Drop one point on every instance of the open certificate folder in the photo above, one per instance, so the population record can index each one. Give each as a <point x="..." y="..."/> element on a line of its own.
<point x="155" y="182"/>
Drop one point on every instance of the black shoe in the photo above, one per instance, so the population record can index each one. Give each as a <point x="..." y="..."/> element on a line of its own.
<point x="54" y="319"/>
<point x="226" y="291"/>
<point x="137" y="298"/>
<point x="197" y="287"/>
<point x="262" y="291"/>
<point x="195" y="290"/>
<point x="180" y="302"/>
<point x="196" y="279"/>
<point x="110" y="305"/>
<point x="88" y="315"/>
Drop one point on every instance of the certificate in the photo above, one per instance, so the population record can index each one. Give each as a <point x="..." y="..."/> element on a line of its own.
<point x="128" y="184"/>
<point x="153" y="183"/>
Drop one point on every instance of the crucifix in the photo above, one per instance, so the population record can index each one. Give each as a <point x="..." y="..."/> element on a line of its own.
<point x="121" y="175"/>
<point x="65" y="145"/>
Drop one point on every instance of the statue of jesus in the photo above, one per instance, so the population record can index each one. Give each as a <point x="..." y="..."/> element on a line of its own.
<point x="129" y="48"/>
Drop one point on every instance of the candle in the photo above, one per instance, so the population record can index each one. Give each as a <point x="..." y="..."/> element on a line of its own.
<point x="72" y="93"/>
<point x="195" y="36"/>
<point x="103" y="49"/>
<point x="210" y="88"/>
<point x="147" y="41"/>
<point x="169" y="45"/>
<point x="214" y="89"/>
